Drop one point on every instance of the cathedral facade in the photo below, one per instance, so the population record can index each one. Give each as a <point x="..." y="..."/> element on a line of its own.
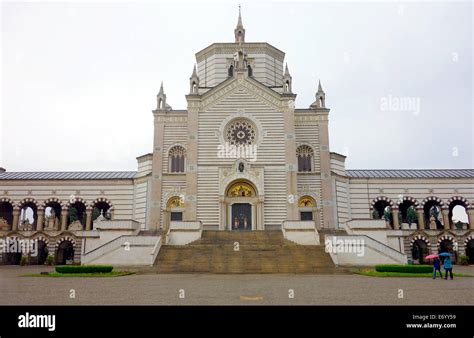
<point x="241" y="157"/>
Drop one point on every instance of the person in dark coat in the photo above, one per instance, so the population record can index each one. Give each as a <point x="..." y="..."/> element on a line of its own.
<point x="437" y="267"/>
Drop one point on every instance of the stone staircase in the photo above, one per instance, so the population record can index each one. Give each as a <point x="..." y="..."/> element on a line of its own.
<point x="244" y="252"/>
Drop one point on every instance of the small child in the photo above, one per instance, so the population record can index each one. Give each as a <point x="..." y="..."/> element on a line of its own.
<point x="437" y="267"/>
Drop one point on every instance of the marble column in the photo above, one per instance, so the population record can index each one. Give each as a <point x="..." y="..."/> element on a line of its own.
<point x="16" y="219"/>
<point x="396" y="223"/>
<point x="88" y="219"/>
<point x="64" y="217"/>
<point x="445" y="213"/>
<point x="470" y="218"/>
<point x="40" y="220"/>
<point x="421" y="219"/>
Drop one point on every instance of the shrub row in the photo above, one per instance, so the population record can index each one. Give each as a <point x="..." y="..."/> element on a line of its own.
<point x="84" y="268"/>
<point x="404" y="268"/>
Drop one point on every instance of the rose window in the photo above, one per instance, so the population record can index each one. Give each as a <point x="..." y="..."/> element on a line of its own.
<point x="241" y="133"/>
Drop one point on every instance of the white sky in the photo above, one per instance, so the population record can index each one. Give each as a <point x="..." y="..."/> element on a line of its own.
<point x="79" y="80"/>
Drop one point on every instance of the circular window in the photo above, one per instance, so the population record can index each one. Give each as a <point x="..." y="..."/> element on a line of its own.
<point x="241" y="132"/>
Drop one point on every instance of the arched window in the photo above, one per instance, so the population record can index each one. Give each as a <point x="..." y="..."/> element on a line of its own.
<point x="305" y="154"/>
<point x="177" y="159"/>
<point x="230" y="72"/>
<point x="307" y="207"/>
<point x="250" y="70"/>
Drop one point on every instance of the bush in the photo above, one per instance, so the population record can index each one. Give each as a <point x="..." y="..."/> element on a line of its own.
<point x="50" y="260"/>
<point x="84" y="268"/>
<point x="464" y="260"/>
<point x="404" y="268"/>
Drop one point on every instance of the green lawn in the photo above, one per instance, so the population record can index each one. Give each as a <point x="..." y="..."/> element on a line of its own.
<point x="104" y="274"/>
<point x="373" y="273"/>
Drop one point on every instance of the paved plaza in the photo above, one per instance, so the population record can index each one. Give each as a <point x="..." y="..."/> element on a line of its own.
<point x="205" y="289"/>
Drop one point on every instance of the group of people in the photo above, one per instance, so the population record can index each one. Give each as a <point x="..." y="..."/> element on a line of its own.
<point x="448" y="267"/>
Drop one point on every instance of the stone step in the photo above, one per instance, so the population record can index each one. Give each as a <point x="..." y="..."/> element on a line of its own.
<point x="259" y="252"/>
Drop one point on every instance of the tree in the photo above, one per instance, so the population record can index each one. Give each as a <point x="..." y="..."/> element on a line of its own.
<point x="95" y="213"/>
<point x="411" y="215"/>
<point x="387" y="214"/>
<point x="375" y="214"/>
<point x="73" y="215"/>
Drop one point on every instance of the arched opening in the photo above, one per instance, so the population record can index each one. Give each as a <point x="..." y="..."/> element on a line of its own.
<point x="287" y="87"/>
<point x="304" y="154"/>
<point x="307" y="208"/>
<point x="42" y="254"/>
<point x="380" y="209"/>
<point x="407" y="212"/>
<point x="230" y="71"/>
<point x="52" y="215"/>
<point x="447" y="245"/>
<point x="194" y="87"/>
<point x="100" y="208"/>
<point x="28" y="216"/>
<point x="419" y="251"/>
<point x="432" y="215"/>
<point x="250" y="70"/>
<point x="458" y="215"/>
<point x="175" y="206"/>
<point x="65" y="253"/>
<point x="177" y="159"/>
<point x="6" y="215"/>
<point x="470" y="250"/>
<point x="77" y="215"/>
<point x="241" y="198"/>
<point x="160" y="104"/>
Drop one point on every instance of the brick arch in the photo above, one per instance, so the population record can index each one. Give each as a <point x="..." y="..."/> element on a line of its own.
<point x="382" y="198"/>
<point x="101" y="199"/>
<point x="53" y="200"/>
<point x="446" y="237"/>
<point x="410" y="199"/>
<point x="65" y="238"/>
<point x="461" y="199"/>
<point x="76" y="199"/>
<point x="29" y="200"/>
<point x="468" y="239"/>
<point x="432" y="198"/>
<point x="42" y="238"/>
<point x="9" y="201"/>
<point x="420" y="237"/>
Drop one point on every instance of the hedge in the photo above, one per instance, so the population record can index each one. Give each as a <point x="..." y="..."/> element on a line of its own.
<point x="84" y="268"/>
<point x="404" y="268"/>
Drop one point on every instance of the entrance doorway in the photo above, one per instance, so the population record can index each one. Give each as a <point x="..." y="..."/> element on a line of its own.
<point x="241" y="216"/>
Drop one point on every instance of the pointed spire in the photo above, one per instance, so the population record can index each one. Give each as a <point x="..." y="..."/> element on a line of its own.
<point x="161" y="92"/>
<point x="239" y="31"/>
<point x="320" y="98"/>
<point x="194" y="82"/>
<point x="161" y="98"/>
<point x="320" y="88"/>
<point x="287" y="81"/>
<point x="239" y="22"/>
<point x="287" y="72"/>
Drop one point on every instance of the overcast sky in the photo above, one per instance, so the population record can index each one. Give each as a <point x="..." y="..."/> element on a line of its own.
<point x="79" y="80"/>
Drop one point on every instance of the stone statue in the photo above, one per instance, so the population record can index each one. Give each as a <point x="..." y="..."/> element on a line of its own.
<point x="432" y="223"/>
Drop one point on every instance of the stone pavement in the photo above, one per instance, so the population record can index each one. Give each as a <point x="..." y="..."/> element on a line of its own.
<point x="207" y="289"/>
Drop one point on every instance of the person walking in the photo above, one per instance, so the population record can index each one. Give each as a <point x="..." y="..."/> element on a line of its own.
<point x="437" y="267"/>
<point x="448" y="267"/>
